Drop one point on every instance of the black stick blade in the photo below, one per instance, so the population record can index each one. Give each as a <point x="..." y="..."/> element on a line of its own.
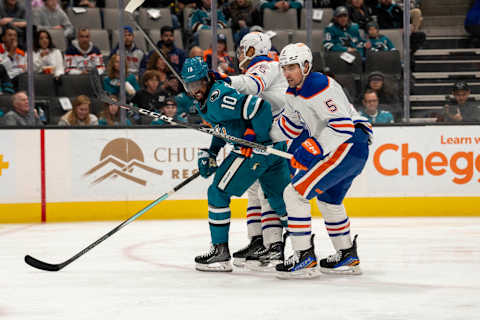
<point x="31" y="261"/>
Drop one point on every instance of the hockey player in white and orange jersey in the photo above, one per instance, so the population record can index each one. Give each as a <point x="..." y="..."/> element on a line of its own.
<point x="327" y="163"/>
<point x="262" y="77"/>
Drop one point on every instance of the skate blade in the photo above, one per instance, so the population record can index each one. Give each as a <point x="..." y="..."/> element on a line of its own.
<point x="215" y="267"/>
<point x="239" y="262"/>
<point x="258" y="266"/>
<point x="348" y="270"/>
<point x="308" y="273"/>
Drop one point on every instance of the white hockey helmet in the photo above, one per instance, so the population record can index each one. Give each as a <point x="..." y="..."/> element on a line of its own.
<point x="297" y="53"/>
<point x="260" y="42"/>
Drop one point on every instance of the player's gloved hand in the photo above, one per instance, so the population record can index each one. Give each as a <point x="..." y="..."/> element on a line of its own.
<point x="207" y="162"/>
<point x="249" y="135"/>
<point x="307" y="152"/>
<point x="220" y="76"/>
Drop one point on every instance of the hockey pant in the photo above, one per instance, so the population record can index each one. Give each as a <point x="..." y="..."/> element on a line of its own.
<point x="234" y="176"/>
<point x="328" y="180"/>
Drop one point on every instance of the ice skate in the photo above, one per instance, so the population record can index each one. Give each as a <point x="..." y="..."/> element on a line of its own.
<point x="217" y="259"/>
<point x="255" y="245"/>
<point x="301" y="265"/>
<point x="345" y="261"/>
<point x="267" y="259"/>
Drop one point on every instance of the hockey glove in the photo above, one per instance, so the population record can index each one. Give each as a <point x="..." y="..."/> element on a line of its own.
<point x="207" y="162"/>
<point x="306" y="153"/>
<point x="220" y="76"/>
<point x="249" y="135"/>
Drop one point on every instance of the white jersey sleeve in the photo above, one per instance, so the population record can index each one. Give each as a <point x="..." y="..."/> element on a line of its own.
<point x="263" y="78"/>
<point x="322" y="108"/>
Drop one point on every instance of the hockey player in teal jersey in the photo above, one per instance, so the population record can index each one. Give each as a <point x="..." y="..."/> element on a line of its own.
<point x="244" y="116"/>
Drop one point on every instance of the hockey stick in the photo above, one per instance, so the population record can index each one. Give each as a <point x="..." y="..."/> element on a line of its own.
<point x="101" y="95"/>
<point x="130" y="8"/>
<point x="59" y="266"/>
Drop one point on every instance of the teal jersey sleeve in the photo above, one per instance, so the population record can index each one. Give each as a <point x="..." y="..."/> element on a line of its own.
<point x="216" y="145"/>
<point x="229" y="110"/>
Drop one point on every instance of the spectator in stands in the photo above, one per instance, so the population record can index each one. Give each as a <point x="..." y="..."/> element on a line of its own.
<point x="110" y="115"/>
<point x="461" y="110"/>
<point x="133" y="54"/>
<point x="386" y="96"/>
<point x="176" y="56"/>
<point x="169" y="108"/>
<point x="80" y="114"/>
<point x="343" y="35"/>
<point x="20" y="115"/>
<point x="243" y="15"/>
<point x="52" y="16"/>
<point x="6" y="85"/>
<point x="151" y="96"/>
<point x="46" y="58"/>
<point x="281" y="5"/>
<point x="11" y="57"/>
<point x="389" y="15"/>
<point x="13" y="13"/>
<point x="416" y="17"/>
<point x="360" y="13"/>
<point x="202" y="19"/>
<point x="82" y="55"/>
<point x="378" y="42"/>
<point x="371" y="109"/>
<point x="111" y="83"/>
<point x="155" y="62"/>
<point x="225" y="62"/>
<point x="195" y="51"/>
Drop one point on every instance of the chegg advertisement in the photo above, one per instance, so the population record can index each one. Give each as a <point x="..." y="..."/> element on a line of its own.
<point x="424" y="161"/>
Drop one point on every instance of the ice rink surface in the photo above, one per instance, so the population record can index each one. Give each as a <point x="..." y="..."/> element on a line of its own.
<point x="422" y="268"/>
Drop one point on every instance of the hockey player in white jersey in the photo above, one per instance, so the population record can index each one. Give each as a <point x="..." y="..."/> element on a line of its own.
<point x="327" y="163"/>
<point x="262" y="77"/>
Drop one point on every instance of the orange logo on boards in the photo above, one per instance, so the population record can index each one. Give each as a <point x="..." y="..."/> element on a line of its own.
<point x="462" y="164"/>
<point x="121" y="158"/>
<point x="3" y="164"/>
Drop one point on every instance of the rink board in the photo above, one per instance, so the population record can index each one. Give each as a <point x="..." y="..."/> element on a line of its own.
<point x="110" y="174"/>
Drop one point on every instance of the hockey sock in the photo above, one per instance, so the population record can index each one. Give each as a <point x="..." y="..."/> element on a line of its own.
<point x="337" y="224"/>
<point x="271" y="225"/>
<point x="219" y="220"/>
<point x="299" y="219"/>
<point x="254" y="211"/>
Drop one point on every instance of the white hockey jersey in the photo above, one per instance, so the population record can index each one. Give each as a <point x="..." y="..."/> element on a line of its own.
<point x="321" y="107"/>
<point x="263" y="78"/>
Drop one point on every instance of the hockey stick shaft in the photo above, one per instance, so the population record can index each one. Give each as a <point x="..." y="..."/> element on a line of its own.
<point x="56" y="267"/>
<point x="130" y="8"/>
<point x="210" y="131"/>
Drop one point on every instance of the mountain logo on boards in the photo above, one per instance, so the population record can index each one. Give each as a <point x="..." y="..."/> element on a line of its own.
<point x="121" y="158"/>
